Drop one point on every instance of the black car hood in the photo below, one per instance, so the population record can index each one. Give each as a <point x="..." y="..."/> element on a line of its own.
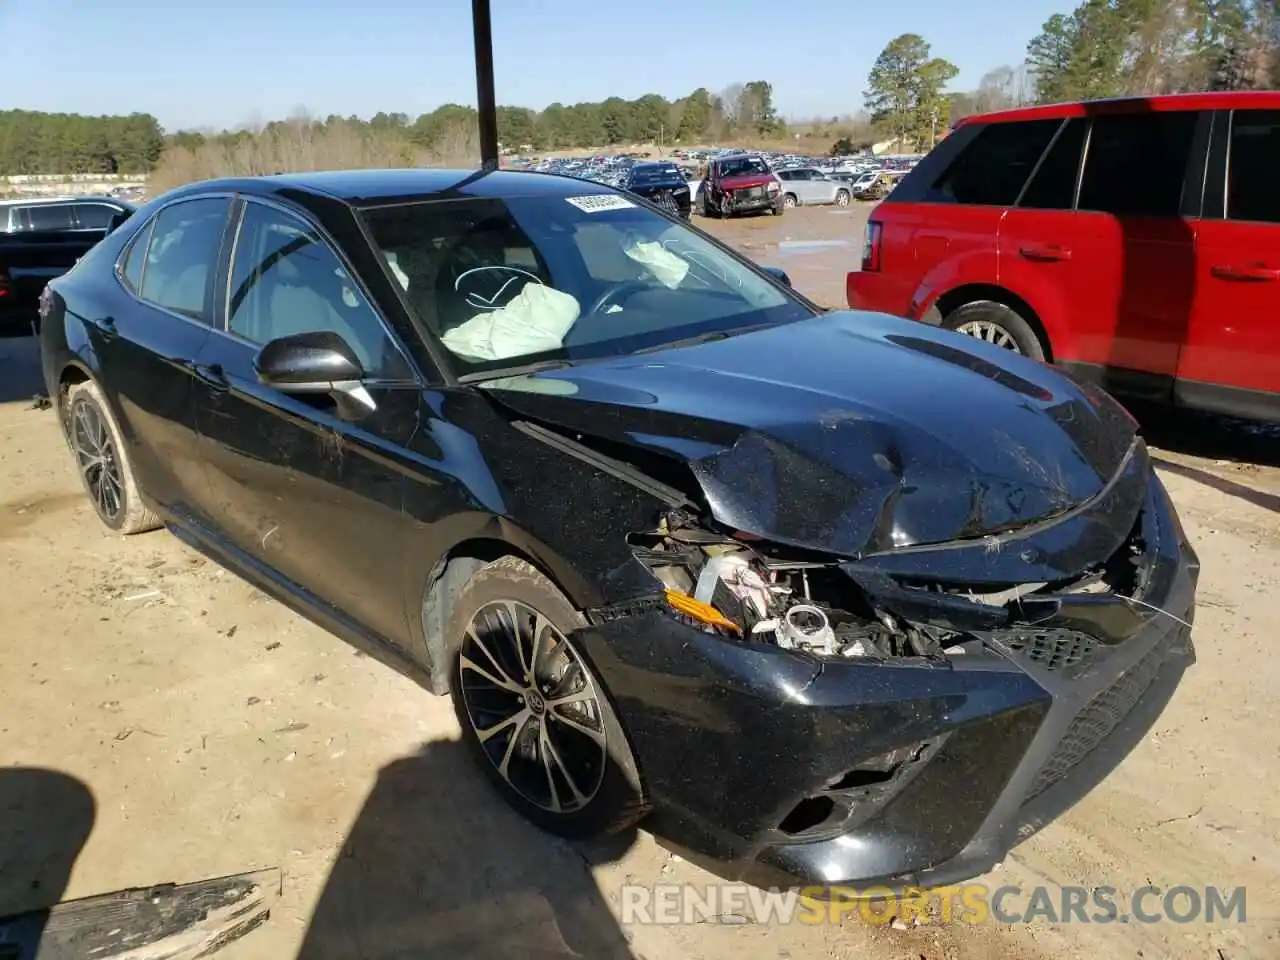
<point x="852" y="433"/>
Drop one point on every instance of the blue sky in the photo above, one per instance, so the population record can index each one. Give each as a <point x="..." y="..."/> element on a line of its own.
<point x="196" y="63"/>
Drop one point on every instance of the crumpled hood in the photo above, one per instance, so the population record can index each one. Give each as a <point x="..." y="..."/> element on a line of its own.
<point x="852" y="433"/>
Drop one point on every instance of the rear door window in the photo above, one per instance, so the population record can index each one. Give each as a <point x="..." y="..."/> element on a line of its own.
<point x="1135" y="164"/>
<point x="1054" y="185"/>
<point x="1253" y="184"/>
<point x="993" y="168"/>
<point x="185" y="241"/>
<point x="49" y="216"/>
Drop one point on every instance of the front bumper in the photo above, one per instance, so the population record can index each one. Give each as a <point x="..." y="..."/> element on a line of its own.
<point x="734" y="740"/>
<point x="747" y="201"/>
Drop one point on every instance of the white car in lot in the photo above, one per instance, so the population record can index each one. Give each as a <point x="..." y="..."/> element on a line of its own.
<point x="802" y="186"/>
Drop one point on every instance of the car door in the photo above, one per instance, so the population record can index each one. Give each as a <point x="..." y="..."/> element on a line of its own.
<point x="802" y="184"/>
<point x="1140" y="241"/>
<point x="293" y="485"/>
<point x="146" y="343"/>
<point x="1231" y="358"/>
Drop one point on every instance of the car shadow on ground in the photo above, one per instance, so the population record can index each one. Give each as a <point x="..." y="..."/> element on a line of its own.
<point x="20" y="376"/>
<point x="437" y="866"/>
<point x="45" y="819"/>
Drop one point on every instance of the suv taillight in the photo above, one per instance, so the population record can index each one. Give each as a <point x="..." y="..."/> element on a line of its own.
<point x="6" y="287"/>
<point x="871" y="245"/>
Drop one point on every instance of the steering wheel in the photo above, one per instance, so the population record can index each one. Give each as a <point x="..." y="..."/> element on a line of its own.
<point x="617" y="293"/>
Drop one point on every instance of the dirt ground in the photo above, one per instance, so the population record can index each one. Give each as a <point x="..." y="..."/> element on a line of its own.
<point x="205" y="730"/>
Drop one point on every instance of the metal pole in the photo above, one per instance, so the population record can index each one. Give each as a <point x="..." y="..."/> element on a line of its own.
<point x="486" y="104"/>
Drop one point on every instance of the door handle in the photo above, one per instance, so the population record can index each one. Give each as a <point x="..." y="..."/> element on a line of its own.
<point x="1045" y="254"/>
<point x="106" y="326"/>
<point x="211" y="375"/>
<point x="1252" y="272"/>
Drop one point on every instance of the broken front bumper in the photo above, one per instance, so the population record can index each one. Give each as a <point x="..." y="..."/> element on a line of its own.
<point x="789" y="771"/>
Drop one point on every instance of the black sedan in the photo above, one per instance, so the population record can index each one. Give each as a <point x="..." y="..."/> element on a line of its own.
<point x="825" y="597"/>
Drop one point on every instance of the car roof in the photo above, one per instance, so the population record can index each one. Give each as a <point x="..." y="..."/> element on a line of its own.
<point x="1226" y="100"/>
<point x="382" y="187"/>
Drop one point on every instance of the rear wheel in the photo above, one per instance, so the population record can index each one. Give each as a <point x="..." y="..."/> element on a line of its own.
<point x="103" y="462"/>
<point x="532" y="712"/>
<point x="997" y="324"/>
<point x="842" y="198"/>
<point x="789" y="201"/>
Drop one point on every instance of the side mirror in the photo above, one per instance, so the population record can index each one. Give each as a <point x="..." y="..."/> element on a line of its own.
<point x="778" y="274"/>
<point x="316" y="362"/>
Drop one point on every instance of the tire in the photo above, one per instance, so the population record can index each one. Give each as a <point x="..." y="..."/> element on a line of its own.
<point x="986" y="319"/>
<point x="778" y="209"/>
<point x="93" y="434"/>
<point x="842" y="198"/>
<point x="789" y="201"/>
<point x="609" y="796"/>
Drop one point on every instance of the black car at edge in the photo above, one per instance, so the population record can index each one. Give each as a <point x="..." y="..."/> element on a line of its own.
<point x="824" y="597"/>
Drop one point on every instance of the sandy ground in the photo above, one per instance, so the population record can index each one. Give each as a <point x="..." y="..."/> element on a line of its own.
<point x="204" y="730"/>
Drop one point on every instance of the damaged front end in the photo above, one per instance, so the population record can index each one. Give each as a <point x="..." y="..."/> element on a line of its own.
<point x="903" y="716"/>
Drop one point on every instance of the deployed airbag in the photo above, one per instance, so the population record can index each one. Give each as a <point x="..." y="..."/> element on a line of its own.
<point x="658" y="260"/>
<point x="536" y="319"/>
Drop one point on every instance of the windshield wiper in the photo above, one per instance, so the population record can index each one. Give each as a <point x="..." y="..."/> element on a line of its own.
<point x="707" y="337"/>
<point x="535" y="367"/>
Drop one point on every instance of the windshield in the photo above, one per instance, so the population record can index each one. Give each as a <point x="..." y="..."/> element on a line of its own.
<point x="655" y="173"/>
<point x="742" y="165"/>
<point x="504" y="283"/>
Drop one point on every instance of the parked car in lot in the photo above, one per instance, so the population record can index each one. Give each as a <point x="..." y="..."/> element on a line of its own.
<point x="660" y="182"/>
<point x="1134" y="242"/>
<point x="683" y="546"/>
<point x="43" y="239"/>
<point x="739" y="183"/>
<point x="802" y="186"/>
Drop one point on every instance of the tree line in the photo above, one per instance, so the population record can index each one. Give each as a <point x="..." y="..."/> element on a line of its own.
<point x="34" y="142"/>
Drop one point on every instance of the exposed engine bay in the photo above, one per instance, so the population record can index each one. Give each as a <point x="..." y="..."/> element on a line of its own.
<point x="758" y="594"/>
<point x="728" y="585"/>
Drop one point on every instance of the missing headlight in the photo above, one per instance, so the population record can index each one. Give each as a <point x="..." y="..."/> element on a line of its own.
<point x="796" y="604"/>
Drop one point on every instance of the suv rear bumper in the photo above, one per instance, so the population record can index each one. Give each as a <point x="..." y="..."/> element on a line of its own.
<point x="879" y="293"/>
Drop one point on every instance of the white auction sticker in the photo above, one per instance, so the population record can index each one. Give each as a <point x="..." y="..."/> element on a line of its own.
<point x="597" y="202"/>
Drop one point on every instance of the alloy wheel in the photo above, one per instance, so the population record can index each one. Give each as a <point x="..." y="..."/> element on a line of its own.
<point x="991" y="333"/>
<point x="842" y="199"/>
<point x="96" y="457"/>
<point x="789" y="201"/>
<point x="533" y="705"/>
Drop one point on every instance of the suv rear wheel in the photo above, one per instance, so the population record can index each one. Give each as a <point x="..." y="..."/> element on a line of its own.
<point x="998" y="324"/>
<point x="789" y="201"/>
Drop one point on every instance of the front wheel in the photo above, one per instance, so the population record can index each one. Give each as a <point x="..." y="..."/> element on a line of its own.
<point x="103" y="462"/>
<point x="997" y="324"/>
<point x="531" y="709"/>
<point x="842" y="198"/>
<point x="789" y="201"/>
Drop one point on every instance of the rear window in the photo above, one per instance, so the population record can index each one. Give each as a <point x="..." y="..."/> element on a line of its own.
<point x="1135" y="164"/>
<point x="993" y="168"/>
<point x="655" y="174"/>
<point x="1054" y="185"/>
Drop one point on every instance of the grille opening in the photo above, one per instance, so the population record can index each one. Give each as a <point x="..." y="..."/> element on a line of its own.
<point x="863" y="778"/>
<point x="1053" y="649"/>
<point x="808" y="813"/>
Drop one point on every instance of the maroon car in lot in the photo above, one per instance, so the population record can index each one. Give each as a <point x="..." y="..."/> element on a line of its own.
<point x="741" y="183"/>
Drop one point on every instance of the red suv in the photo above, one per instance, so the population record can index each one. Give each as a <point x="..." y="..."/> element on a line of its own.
<point x="1135" y="243"/>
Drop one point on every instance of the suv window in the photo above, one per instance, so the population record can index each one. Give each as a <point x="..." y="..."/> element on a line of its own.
<point x="1054" y="185"/>
<point x="993" y="168"/>
<point x="49" y="216"/>
<point x="1136" y="163"/>
<point x="285" y="280"/>
<point x="185" y="240"/>
<point x="1253" y="192"/>
<point x="94" y="216"/>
